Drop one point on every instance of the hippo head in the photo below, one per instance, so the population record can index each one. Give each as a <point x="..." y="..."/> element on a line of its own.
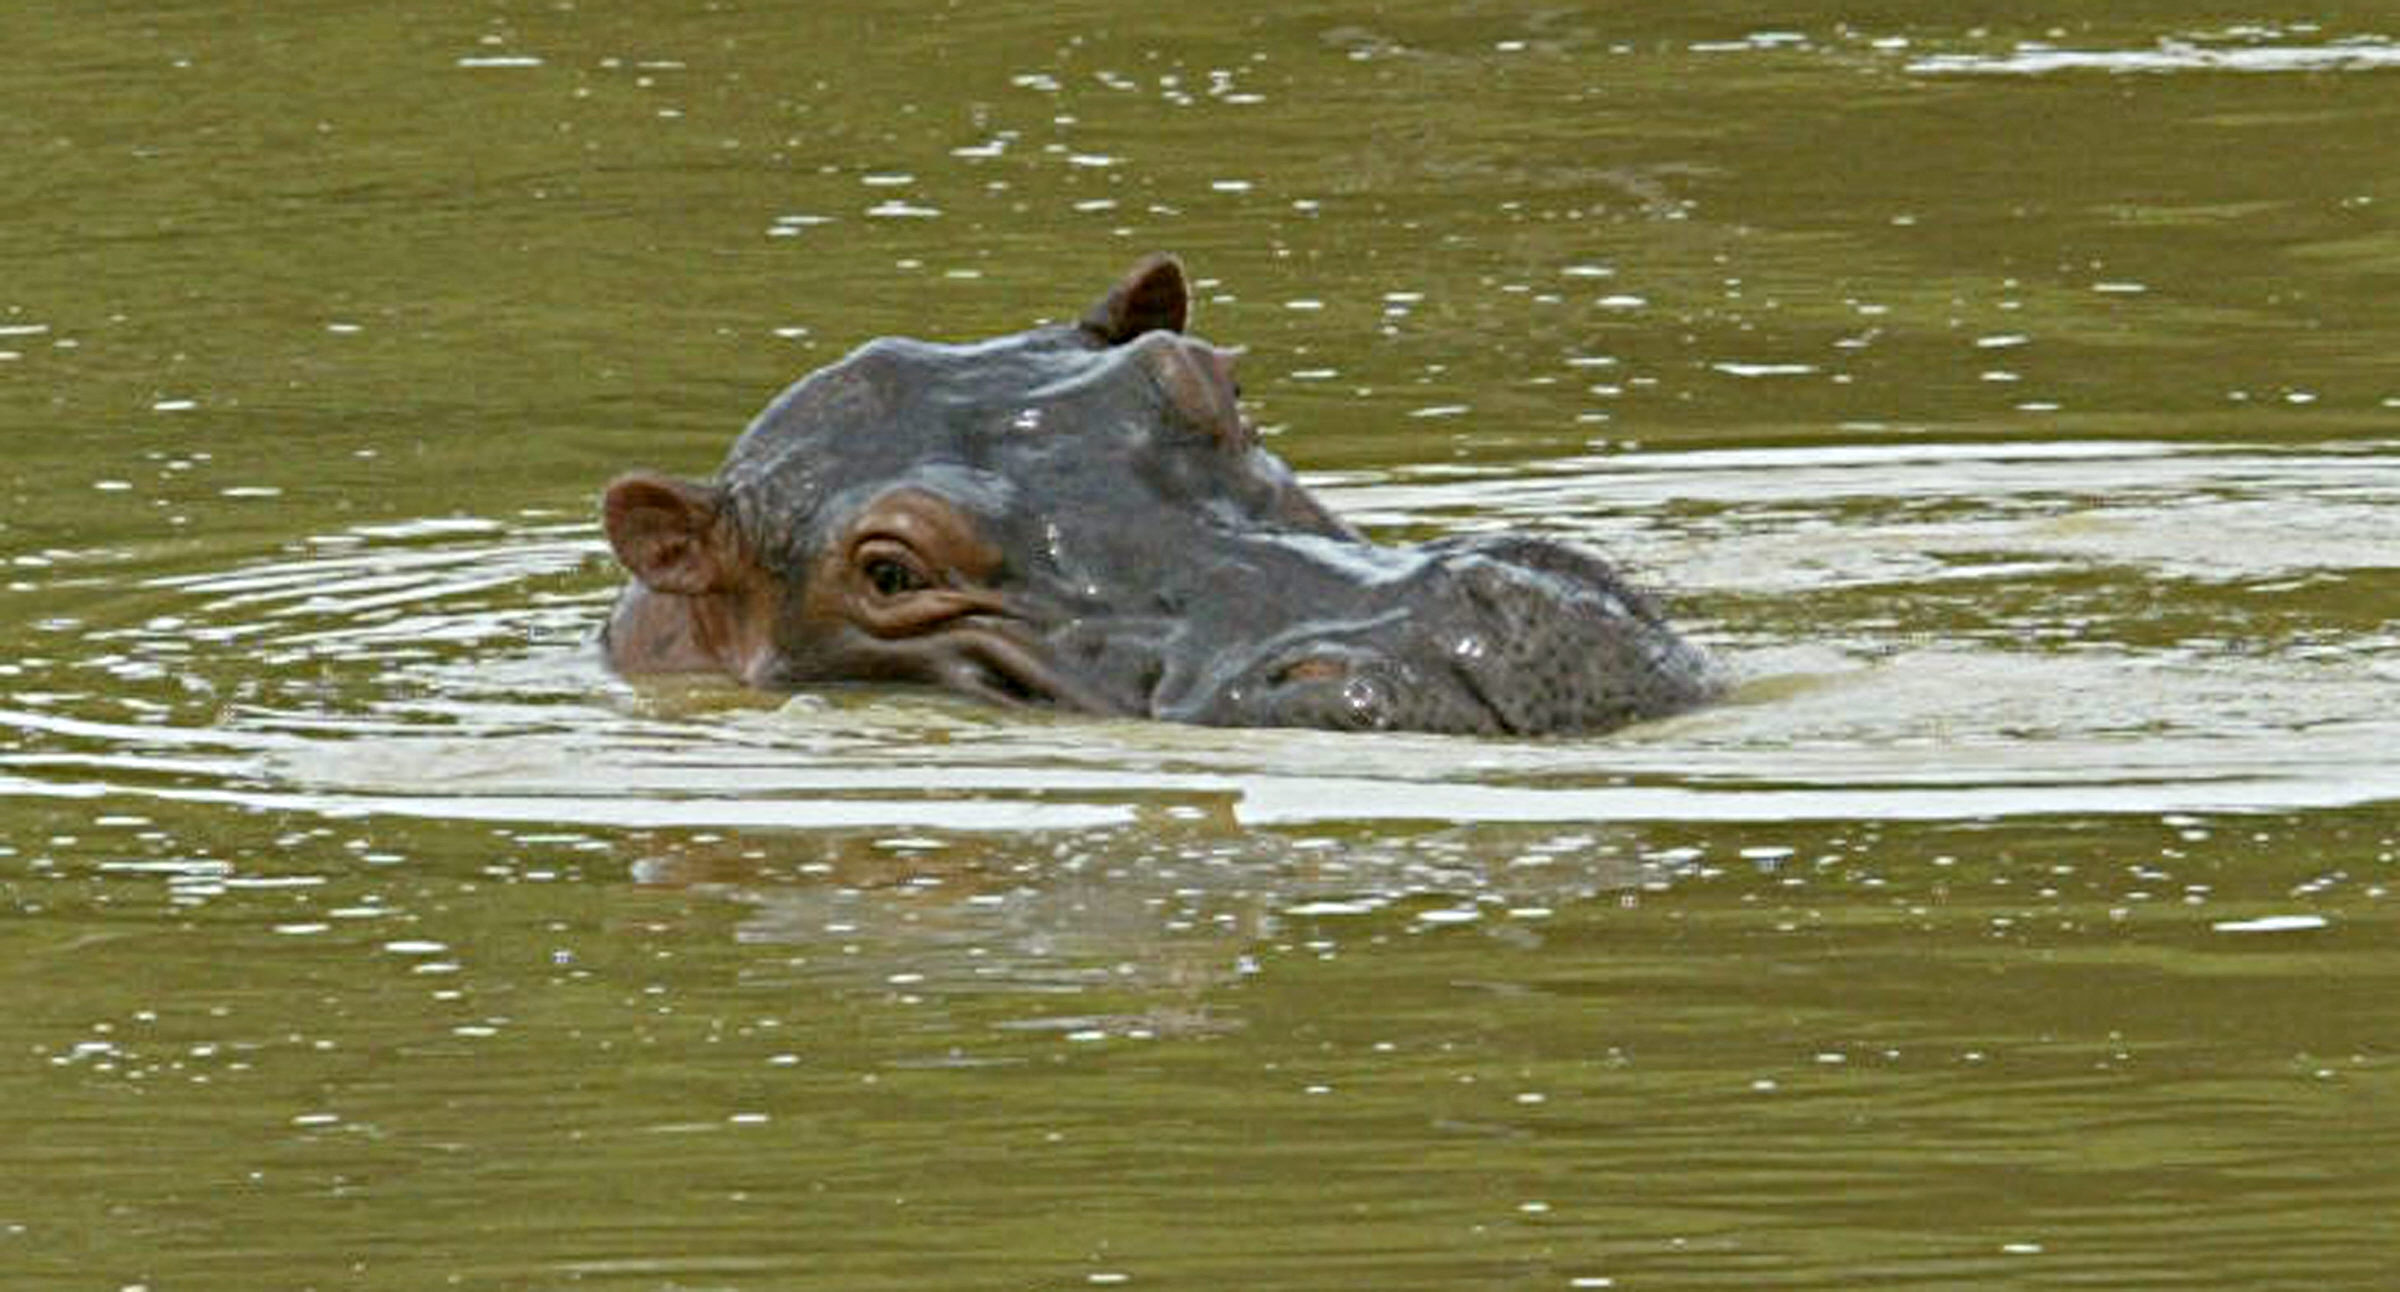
<point x="1079" y="516"/>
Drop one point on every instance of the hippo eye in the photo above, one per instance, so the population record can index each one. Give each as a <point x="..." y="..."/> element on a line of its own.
<point x="891" y="577"/>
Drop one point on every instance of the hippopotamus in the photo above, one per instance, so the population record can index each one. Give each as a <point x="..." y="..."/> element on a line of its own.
<point x="1080" y="517"/>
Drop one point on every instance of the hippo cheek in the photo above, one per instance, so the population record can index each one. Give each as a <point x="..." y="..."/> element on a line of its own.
<point x="991" y="657"/>
<point x="1006" y="661"/>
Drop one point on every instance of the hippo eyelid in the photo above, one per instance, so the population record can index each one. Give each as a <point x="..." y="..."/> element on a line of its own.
<point x="890" y="566"/>
<point x="926" y="532"/>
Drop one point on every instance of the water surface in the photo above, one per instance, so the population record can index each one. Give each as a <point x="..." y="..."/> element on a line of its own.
<point x="2007" y="398"/>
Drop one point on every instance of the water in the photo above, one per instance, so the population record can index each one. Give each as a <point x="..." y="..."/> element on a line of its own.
<point x="2008" y="401"/>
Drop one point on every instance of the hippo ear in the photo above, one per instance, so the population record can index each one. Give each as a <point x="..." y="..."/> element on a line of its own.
<point x="665" y="532"/>
<point x="1150" y="298"/>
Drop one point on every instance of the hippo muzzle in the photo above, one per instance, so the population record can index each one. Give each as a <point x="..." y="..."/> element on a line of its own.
<point x="1078" y="516"/>
<point x="1489" y="636"/>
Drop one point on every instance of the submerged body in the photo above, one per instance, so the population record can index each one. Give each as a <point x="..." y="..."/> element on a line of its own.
<point x="1079" y="516"/>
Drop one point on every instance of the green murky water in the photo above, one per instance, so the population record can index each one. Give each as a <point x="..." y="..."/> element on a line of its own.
<point x="2012" y="397"/>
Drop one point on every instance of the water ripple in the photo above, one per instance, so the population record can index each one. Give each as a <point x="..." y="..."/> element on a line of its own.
<point x="443" y="670"/>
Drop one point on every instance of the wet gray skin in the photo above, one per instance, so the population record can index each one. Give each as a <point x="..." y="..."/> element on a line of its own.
<point x="1079" y="516"/>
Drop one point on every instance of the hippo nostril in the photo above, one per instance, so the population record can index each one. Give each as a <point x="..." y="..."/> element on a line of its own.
<point x="1314" y="668"/>
<point x="1334" y="688"/>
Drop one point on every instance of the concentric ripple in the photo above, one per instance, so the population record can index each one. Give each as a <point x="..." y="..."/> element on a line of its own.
<point x="1925" y="631"/>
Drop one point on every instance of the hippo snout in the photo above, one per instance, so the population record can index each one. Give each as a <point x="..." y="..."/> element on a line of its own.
<point x="1495" y="636"/>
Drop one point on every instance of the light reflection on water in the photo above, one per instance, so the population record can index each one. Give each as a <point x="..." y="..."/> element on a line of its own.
<point x="2169" y="56"/>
